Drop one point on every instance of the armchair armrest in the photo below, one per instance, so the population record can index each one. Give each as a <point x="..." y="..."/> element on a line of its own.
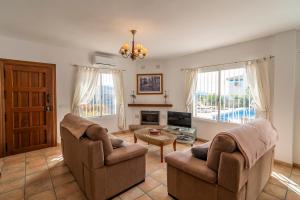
<point x="125" y="153"/>
<point x="232" y="173"/>
<point x="185" y="162"/>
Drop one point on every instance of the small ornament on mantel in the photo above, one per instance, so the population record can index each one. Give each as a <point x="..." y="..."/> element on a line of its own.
<point x="133" y="96"/>
<point x="166" y="96"/>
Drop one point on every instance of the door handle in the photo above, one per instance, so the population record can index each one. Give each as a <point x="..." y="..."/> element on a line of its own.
<point x="47" y="108"/>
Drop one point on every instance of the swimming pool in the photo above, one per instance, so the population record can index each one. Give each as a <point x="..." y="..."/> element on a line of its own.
<point x="227" y="116"/>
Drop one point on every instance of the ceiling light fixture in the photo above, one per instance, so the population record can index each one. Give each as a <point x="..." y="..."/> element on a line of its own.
<point x="135" y="51"/>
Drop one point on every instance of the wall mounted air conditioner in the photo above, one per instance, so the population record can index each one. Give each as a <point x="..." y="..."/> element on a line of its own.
<point x="104" y="59"/>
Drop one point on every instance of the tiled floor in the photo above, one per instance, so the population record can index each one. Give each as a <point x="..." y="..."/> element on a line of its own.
<point x="42" y="175"/>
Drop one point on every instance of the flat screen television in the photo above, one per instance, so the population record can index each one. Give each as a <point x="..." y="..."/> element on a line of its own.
<point x="182" y="119"/>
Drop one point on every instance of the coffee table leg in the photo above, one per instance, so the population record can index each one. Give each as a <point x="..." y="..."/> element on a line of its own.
<point x="174" y="145"/>
<point x="135" y="139"/>
<point x="161" y="153"/>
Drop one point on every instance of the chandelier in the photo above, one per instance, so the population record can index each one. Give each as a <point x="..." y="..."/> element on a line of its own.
<point x="135" y="51"/>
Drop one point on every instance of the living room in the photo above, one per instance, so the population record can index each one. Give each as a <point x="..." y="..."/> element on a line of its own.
<point x="202" y="38"/>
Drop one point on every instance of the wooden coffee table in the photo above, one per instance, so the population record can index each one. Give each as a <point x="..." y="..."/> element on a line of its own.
<point x="164" y="138"/>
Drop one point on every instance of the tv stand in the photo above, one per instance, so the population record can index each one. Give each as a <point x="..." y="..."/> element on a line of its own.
<point x="184" y="135"/>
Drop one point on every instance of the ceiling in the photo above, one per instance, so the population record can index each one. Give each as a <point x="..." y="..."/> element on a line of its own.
<point x="167" y="28"/>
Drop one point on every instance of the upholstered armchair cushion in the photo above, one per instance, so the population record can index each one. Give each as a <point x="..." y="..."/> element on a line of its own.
<point x="221" y="143"/>
<point x="96" y="132"/>
<point x="191" y="165"/>
<point x="125" y="153"/>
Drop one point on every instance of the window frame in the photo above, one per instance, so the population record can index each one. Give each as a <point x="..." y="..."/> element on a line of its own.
<point x="218" y="69"/>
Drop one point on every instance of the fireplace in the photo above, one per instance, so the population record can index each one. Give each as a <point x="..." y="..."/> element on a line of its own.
<point x="149" y="117"/>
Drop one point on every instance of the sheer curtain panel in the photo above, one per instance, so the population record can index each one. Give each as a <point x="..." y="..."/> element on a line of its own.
<point x="119" y="90"/>
<point x="259" y="83"/>
<point x="86" y="84"/>
<point x="190" y="86"/>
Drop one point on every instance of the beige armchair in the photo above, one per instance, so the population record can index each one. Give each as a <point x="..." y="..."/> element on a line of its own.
<point x="102" y="172"/>
<point x="222" y="177"/>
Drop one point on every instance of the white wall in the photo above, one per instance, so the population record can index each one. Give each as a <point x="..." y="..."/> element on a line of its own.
<point x="282" y="46"/>
<point x="65" y="74"/>
<point x="297" y="105"/>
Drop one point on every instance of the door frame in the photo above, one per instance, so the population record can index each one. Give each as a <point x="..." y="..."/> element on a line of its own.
<point x="52" y="67"/>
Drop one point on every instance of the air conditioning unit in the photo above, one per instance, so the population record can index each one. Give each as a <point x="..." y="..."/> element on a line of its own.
<point x="104" y="59"/>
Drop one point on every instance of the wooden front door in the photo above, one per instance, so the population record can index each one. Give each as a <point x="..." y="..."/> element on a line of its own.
<point x="30" y="113"/>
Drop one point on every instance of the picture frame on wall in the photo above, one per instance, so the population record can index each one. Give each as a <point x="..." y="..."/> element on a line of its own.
<point x="149" y="84"/>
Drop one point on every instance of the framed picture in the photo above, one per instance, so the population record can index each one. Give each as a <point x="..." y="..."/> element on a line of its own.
<point x="149" y="83"/>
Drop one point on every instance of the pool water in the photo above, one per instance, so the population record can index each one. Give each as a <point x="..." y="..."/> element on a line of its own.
<point x="227" y="116"/>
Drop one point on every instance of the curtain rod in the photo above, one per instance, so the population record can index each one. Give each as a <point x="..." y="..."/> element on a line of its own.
<point x="241" y="61"/>
<point x="111" y="68"/>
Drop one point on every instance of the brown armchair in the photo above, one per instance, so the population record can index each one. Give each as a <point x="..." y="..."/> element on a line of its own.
<point x="222" y="177"/>
<point x="102" y="172"/>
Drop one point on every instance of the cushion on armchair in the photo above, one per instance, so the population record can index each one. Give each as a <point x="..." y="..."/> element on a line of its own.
<point x="96" y="132"/>
<point x="117" y="142"/>
<point x="221" y="143"/>
<point x="200" y="151"/>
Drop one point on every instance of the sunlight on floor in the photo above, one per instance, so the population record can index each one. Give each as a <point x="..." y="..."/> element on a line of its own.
<point x="58" y="158"/>
<point x="287" y="182"/>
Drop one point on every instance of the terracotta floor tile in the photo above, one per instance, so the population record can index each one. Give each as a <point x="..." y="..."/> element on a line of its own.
<point x="36" y="153"/>
<point x="275" y="191"/>
<point x="34" y="168"/>
<point x="296" y="179"/>
<point x="160" y="176"/>
<point x="296" y="171"/>
<point x="37" y="183"/>
<point x="144" y="197"/>
<point x="54" y="171"/>
<point x="159" y="193"/>
<point x="132" y="194"/>
<point x="69" y="191"/>
<point x="13" y="195"/>
<point x="36" y="160"/>
<point x="265" y="196"/>
<point x="55" y="161"/>
<point x="13" y="167"/>
<point x="279" y="182"/>
<point x="14" y="158"/>
<point x="282" y="169"/>
<point x="293" y="195"/>
<point x="149" y="184"/>
<point x="62" y="179"/>
<point x="12" y="185"/>
<point x="46" y="195"/>
<point x="8" y="175"/>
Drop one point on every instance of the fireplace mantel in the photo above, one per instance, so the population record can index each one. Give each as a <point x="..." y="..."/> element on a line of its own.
<point x="149" y="105"/>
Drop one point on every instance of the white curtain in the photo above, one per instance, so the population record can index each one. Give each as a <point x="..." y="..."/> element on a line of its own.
<point x="191" y="77"/>
<point x="259" y="83"/>
<point x="86" y="84"/>
<point x="118" y="84"/>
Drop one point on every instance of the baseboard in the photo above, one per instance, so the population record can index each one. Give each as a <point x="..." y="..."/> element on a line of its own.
<point x="279" y="162"/>
<point x="296" y="165"/>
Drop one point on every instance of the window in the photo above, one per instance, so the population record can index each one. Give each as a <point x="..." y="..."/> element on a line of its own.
<point x="224" y="95"/>
<point x="104" y="101"/>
